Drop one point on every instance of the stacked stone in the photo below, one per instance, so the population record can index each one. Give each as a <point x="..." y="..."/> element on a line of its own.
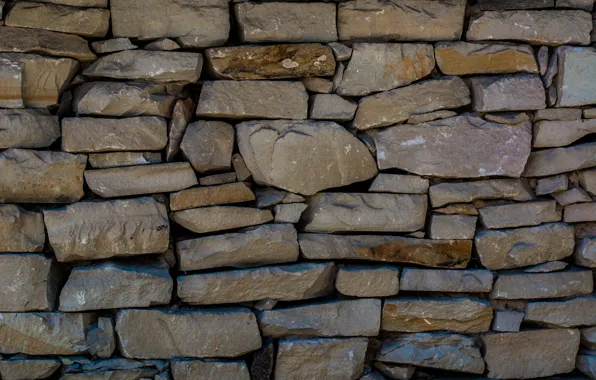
<point x="197" y="189"/>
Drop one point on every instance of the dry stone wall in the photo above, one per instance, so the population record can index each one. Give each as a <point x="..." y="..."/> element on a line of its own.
<point x="290" y="190"/>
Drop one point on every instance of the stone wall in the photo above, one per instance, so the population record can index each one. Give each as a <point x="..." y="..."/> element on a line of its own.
<point x="365" y="189"/>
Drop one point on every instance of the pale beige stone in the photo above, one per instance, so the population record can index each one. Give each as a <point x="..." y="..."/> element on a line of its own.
<point x="218" y="218"/>
<point x="211" y="195"/>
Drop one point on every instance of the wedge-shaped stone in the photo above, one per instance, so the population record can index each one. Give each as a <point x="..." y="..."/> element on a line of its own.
<point x="455" y="281"/>
<point x="187" y="333"/>
<point x="520" y="214"/>
<point x="402" y="20"/>
<point x="536" y="27"/>
<point x="30" y="282"/>
<point x="142" y="179"/>
<point x="587" y="180"/>
<point x="208" y="146"/>
<point x="560" y="133"/>
<point x="26" y="368"/>
<point x="218" y="218"/>
<point x="432" y="253"/>
<point x="582" y="212"/>
<point x="560" y="160"/>
<point x="156" y="66"/>
<point x="504" y="249"/>
<point x="434" y="148"/>
<point x="113" y="286"/>
<point x="364" y="212"/>
<point x="575" y="79"/>
<point x="521" y="285"/>
<point x="398" y="183"/>
<point x="303" y="156"/>
<point x="181" y="116"/>
<point x="367" y="281"/>
<point x="184" y="369"/>
<point x="122" y="99"/>
<point x="460" y="192"/>
<point x="530" y="354"/>
<point x="331" y="107"/>
<point x="286" y="22"/>
<point x="30" y="176"/>
<point x="253" y="100"/>
<point x="368" y="70"/>
<point x="99" y="230"/>
<point x="271" y="62"/>
<point x="577" y="311"/>
<point x="87" y="134"/>
<point x="21" y="230"/>
<point x="465" y="58"/>
<point x="193" y="23"/>
<point x="450" y="352"/>
<point x="283" y="283"/>
<point x="462" y="315"/>
<point x="112" y="45"/>
<point x="26" y="40"/>
<point x="585" y="252"/>
<point x="227" y="193"/>
<point x="398" y="105"/>
<point x="586" y="362"/>
<point x="117" y="159"/>
<point x="330" y="359"/>
<point x="263" y="245"/>
<point x="550" y="185"/>
<point x="27" y="128"/>
<point x="507" y="93"/>
<point x="44" y="333"/>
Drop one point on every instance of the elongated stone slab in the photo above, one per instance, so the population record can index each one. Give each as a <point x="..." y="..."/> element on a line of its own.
<point x="27" y="128"/>
<point x="21" y="230"/>
<point x="364" y="212"/>
<point x="26" y="368"/>
<point x="462" y="192"/>
<point x="117" y="159"/>
<point x="560" y="133"/>
<point x="283" y="283"/>
<point x="185" y="369"/>
<point x="514" y="285"/>
<point x="520" y="214"/>
<point x="577" y="311"/>
<point x="517" y="92"/>
<point x="574" y="81"/>
<point x="367" y="280"/>
<point x="30" y="176"/>
<point x="86" y="134"/>
<point x="398" y="183"/>
<point x="11" y="79"/>
<point x="271" y="62"/>
<point x="440" y="280"/>
<point x="187" y="333"/>
<point x="504" y="249"/>
<point x="112" y="45"/>
<point x="560" y="160"/>
<point x="263" y="245"/>
<point x="434" y="148"/>
<point x="432" y="253"/>
<point x="236" y="192"/>
<point x="218" y="218"/>
<point x="142" y="179"/>
<point x="502" y="5"/>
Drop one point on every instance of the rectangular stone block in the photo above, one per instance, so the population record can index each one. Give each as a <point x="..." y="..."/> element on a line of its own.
<point x="520" y="285"/>
<point x="560" y="160"/>
<point x="573" y="312"/>
<point x="462" y="192"/>
<point x="118" y="159"/>
<point x="446" y="280"/>
<point x="549" y="134"/>
<point x="11" y="79"/>
<point x="28" y="128"/>
<point x="219" y="218"/>
<point x="520" y="214"/>
<point x="211" y="195"/>
<point x="507" y="93"/>
<point x="21" y="230"/>
<point x="452" y="226"/>
<point x="398" y="183"/>
<point x="367" y="280"/>
<point x="582" y="212"/>
<point x="575" y="79"/>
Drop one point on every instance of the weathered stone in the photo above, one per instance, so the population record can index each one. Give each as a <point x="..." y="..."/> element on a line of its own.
<point x="122" y="99"/>
<point x="588" y="337"/>
<point x="27" y="129"/>
<point x="403" y="20"/>
<point x="253" y="100"/>
<point x="530" y="354"/>
<point x="156" y="66"/>
<point x="367" y="281"/>
<point x="449" y="352"/>
<point x="397" y="183"/>
<point x="571" y="196"/>
<point x="368" y="70"/>
<point x="552" y="184"/>
<point x="187" y="333"/>
<point x="463" y="315"/>
<point x="263" y="361"/>
<point x="587" y="180"/>
<point x="502" y="5"/>
<point x="289" y="213"/>
<point x="141" y="179"/>
<point x="550" y="266"/>
<point x="521" y="285"/>
<point x="582" y="212"/>
<point x="434" y="148"/>
<point x="589" y="113"/>
<point x="397" y="372"/>
<point x="509" y="118"/>
<point x="456" y="192"/>
<point x="87" y="134"/>
<point x="118" y="368"/>
<point x="11" y="79"/>
<point x="304" y="157"/>
<point x="551" y="96"/>
<point x="575" y="84"/>
<point x="561" y="133"/>
<point x="505" y="249"/>
<point x="28" y="369"/>
<point x="542" y="60"/>
<point x="43" y="333"/>
<point x="183" y="369"/>
<point x="181" y="116"/>
<point x="333" y="319"/>
<point x="585" y="252"/>
<point x="318" y="85"/>
<point x="213" y="195"/>
<point x="208" y="145"/>
<point x="457" y="209"/>
<point x="519" y="214"/>
<point x="219" y="218"/>
<point x="338" y="76"/>
<point x="286" y="22"/>
<point x="162" y="44"/>
<point x="578" y="311"/>
<point x="586" y="5"/>
<point x="366" y="212"/>
<point x="432" y="253"/>
<point x="341" y="51"/>
<point x="21" y="230"/>
<point x="534" y="27"/>
<point x="507" y="320"/>
<point x="117" y="159"/>
<point x="558" y="114"/>
<point x="30" y="176"/>
<point x="112" y="45"/>
<point x="263" y="245"/>
<point x="560" y="160"/>
<point x="551" y="72"/>
<point x="218" y="179"/>
<point x="586" y="362"/>
<point x="283" y="283"/>
<point x="452" y="226"/>
<point x="330" y="359"/>
<point x="507" y="93"/>
<point x="457" y="281"/>
<point x="465" y="58"/>
<point x="87" y="22"/>
<point x="101" y="338"/>
<point x="430" y="116"/>
<point x="331" y="107"/>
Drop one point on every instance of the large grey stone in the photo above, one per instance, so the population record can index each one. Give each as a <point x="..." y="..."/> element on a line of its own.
<point x="117" y="159"/>
<point x="507" y="93"/>
<point x="99" y="230"/>
<point x="519" y="214"/>
<point x="460" y="192"/>
<point x="520" y="285"/>
<point x="504" y="249"/>
<point x="560" y="160"/>
<point x="364" y="212"/>
<point x="331" y="107"/>
<point x="530" y="354"/>
<point x="507" y="320"/>
<point x="181" y="116"/>
<point x="284" y="283"/>
<point x="446" y="280"/>
<point x="208" y="145"/>
<point x="264" y="245"/>
<point x="236" y="192"/>
<point x="560" y="133"/>
<point x="27" y="128"/>
<point x="21" y="230"/>
<point x="303" y="156"/>
<point x="578" y="311"/>
<point x="367" y="281"/>
<point x="218" y="218"/>
<point x="187" y="333"/>
<point x="360" y="317"/>
<point x="184" y="369"/>
<point x="585" y="252"/>
<point x="435" y="148"/>
<point x="582" y="212"/>
<point x="575" y="79"/>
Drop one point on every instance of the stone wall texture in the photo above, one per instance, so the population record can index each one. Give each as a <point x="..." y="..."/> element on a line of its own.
<point x="297" y="190"/>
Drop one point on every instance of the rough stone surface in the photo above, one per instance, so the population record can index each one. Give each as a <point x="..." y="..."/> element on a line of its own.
<point x="558" y="114"/>
<point x="552" y="184"/>
<point x="208" y="146"/>
<point x="560" y="160"/>
<point x="582" y="212"/>
<point x="25" y="369"/>
<point x="585" y="252"/>
<point x="578" y="311"/>
<point x="587" y="180"/>
<point x="112" y="45"/>
<point x="586" y="362"/>
<point x="218" y="218"/>
<point x="367" y="281"/>
<point x="396" y="183"/>
<point x="228" y="193"/>
<point x="318" y="85"/>
<point x="574" y="82"/>
<point x="218" y="179"/>
<point x="519" y="214"/>
<point x="393" y="371"/>
<point x="331" y="107"/>
<point x="560" y="133"/>
<point x="117" y="159"/>
<point x="162" y="44"/>
<point x="588" y="337"/>
<point x="181" y="116"/>
<point x="520" y="285"/>
<point x="456" y="192"/>
<point x="571" y="196"/>
<point x="11" y="79"/>
<point x="507" y="93"/>
<point x="507" y="320"/>
<point x="456" y="281"/>
<point x="430" y="116"/>
<point x="101" y="338"/>
<point x="289" y="213"/>
<point x="209" y="370"/>
<point x="21" y="230"/>
<point x="452" y="226"/>
<point x="550" y="266"/>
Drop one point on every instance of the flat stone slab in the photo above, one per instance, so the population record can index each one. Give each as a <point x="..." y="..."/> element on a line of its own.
<point x="227" y="193"/>
<point x="83" y="368"/>
<point x="219" y="218"/>
<point x="517" y="92"/>
<point x="99" y="230"/>
<point x="263" y="245"/>
<point x="446" y="280"/>
<point x="187" y="333"/>
<point x="185" y="369"/>
<point x="560" y="160"/>
<point x="520" y="247"/>
<point x="208" y="146"/>
<point x="367" y="281"/>
<point x="434" y="148"/>
<point x="112" y="45"/>
<point x="331" y="107"/>
<point x="574" y="81"/>
<point x="118" y="159"/>
<point x="521" y="285"/>
<point x="452" y="226"/>
<point x="550" y="185"/>
<point x="397" y="249"/>
<point x="21" y="230"/>
<point x="399" y="183"/>
<point x="519" y="214"/>
<point x="345" y="318"/>
<point x="27" y="128"/>
<point x="573" y="312"/>
<point x="558" y="114"/>
<point x="462" y="192"/>
<point x="25" y="368"/>
<point x="530" y="354"/>
<point x="502" y="5"/>
<point x="560" y="133"/>
<point x="283" y="283"/>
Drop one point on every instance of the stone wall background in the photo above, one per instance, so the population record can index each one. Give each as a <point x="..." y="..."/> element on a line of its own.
<point x="197" y="189"/>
